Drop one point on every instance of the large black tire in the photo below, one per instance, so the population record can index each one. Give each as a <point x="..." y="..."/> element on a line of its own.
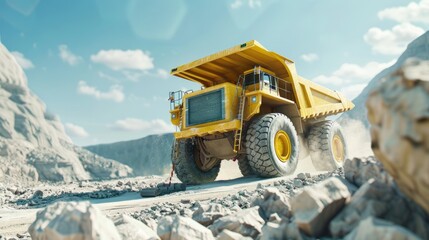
<point x="325" y="152"/>
<point x="244" y="166"/>
<point x="185" y="165"/>
<point x="261" y="150"/>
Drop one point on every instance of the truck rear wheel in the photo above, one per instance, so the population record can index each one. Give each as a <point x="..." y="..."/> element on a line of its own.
<point x="328" y="149"/>
<point x="243" y="164"/>
<point x="187" y="167"/>
<point x="272" y="146"/>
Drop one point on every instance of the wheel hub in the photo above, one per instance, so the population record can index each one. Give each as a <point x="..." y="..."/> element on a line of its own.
<point x="282" y="145"/>
<point x="338" y="148"/>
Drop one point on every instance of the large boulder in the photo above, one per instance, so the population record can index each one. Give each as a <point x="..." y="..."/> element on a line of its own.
<point x="230" y="235"/>
<point x="182" y="228"/>
<point x="398" y="110"/>
<point x="379" y="200"/>
<point x="132" y="229"/>
<point x="72" y="221"/>
<point x="372" y="228"/>
<point x="271" y="202"/>
<point x="316" y="205"/>
<point x="282" y="230"/>
<point x="206" y="214"/>
<point x="359" y="170"/>
<point x="369" y="200"/>
<point x="247" y="222"/>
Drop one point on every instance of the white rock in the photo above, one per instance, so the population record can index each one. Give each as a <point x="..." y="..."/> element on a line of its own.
<point x="274" y="218"/>
<point x="365" y="202"/>
<point x="132" y="229"/>
<point x="206" y="214"/>
<point x="316" y="205"/>
<point x="247" y="222"/>
<point x="372" y="228"/>
<point x="379" y="200"/>
<point x="72" y="221"/>
<point x="301" y="176"/>
<point x="360" y="170"/>
<point x="181" y="228"/>
<point x="279" y="231"/>
<point x="273" y="231"/>
<point x="164" y="227"/>
<point x="10" y="71"/>
<point x="230" y="235"/>
<point x="273" y="201"/>
<point x="184" y="228"/>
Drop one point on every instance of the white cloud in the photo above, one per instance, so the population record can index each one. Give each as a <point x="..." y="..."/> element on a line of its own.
<point x="76" y="131"/>
<point x="67" y="56"/>
<point x="413" y="12"/>
<point x="352" y="91"/>
<point x="115" y="93"/>
<point x="162" y="73"/>
<point x="107" y="76"/>
<point x="124" y="59"/>
<point x="134" y="124"/>
<point x="393" y="41"/>
<point x="350" y="79"/>
<point x="310" y="57"/>
<point x="133" y="76"/>
<point x="137" y="75"/>
<point x="352" y="73"/>
<point x="22" y="61"/>
<point x="236" y="4"/>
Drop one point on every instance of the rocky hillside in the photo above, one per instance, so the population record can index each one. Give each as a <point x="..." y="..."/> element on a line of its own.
<point x="419" y="48"/>
<point x="33" y="143"/>
<point x="146" y="156"/>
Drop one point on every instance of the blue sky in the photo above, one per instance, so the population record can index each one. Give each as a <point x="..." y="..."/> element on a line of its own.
<point x="102" y="65"/>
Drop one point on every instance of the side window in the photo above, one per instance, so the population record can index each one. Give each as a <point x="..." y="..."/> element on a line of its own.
<point x="273" y="84"/>
<point x="251" y="79"/>
<point x="266" y="79"/>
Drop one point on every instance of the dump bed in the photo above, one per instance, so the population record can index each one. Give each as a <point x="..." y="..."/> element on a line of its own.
<point x="312" y="99"/>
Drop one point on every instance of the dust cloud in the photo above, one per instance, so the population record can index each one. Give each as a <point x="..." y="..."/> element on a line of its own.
<point x="358" y="139"/>
<point x="229" y="170"/>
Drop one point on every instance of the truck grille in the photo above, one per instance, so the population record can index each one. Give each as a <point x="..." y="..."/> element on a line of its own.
<point x="204" y="108"/>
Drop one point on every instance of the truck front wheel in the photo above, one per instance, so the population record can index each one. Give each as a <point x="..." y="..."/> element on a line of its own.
<point x="328" y="149"/>
<point x="187" y="167"/>
<point x="272" y="146"/>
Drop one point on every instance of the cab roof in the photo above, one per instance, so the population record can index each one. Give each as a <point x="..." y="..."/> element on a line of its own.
<point x="227" y="65"/>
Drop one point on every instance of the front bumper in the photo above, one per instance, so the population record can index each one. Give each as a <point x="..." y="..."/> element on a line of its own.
<point x="208" y="130"/>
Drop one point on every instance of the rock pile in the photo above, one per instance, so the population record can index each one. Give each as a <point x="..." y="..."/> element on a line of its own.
<point x="328" y="206"/>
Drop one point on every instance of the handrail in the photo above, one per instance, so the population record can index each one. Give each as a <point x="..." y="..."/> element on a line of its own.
<point x="176" y="99"/>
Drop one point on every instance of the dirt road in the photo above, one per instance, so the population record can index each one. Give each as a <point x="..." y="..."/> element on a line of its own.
<point x="14" y="221"/>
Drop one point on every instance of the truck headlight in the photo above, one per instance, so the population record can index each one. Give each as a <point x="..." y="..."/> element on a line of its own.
<point x="253" y="99"/>
<point x="173" y="115"/>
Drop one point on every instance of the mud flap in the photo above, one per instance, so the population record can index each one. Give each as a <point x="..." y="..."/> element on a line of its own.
<point x="162" y="189"/>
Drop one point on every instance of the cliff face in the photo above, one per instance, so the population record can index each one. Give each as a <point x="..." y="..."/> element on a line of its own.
<point x="419" y="48"/>
<point x="33" y="143"/>
<point x="146" y="156"/>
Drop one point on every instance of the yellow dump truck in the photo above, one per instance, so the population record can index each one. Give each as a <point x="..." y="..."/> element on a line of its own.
<point x="252" y="107"/>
